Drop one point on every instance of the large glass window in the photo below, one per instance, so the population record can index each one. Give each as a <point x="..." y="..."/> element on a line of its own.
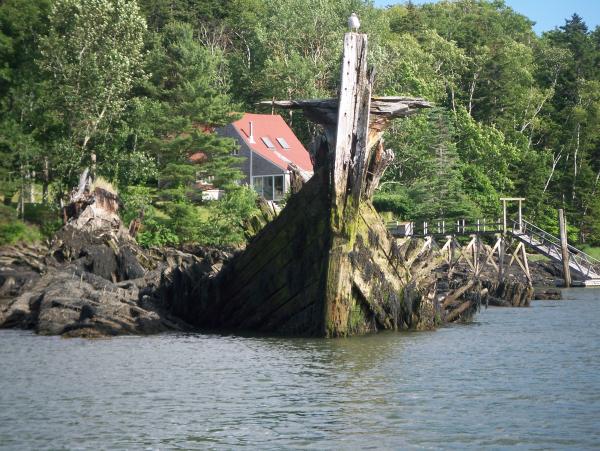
<point x="271" y="187"/>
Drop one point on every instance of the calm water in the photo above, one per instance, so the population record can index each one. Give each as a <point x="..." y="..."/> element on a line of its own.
<point x="522" y="378"/>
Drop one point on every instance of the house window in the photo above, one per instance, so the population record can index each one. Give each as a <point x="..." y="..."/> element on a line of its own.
<point x="268" y="142"/>
<point x="278" y="187"/>
<point x="270" y="187"/>
<point x="283" y="143"/>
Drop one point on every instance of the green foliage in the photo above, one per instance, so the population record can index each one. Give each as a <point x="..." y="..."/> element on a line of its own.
<point x="430" y="179"/>
<point x="84" y="81"/>
<point x="135" y="199"/>
<point x="92" y="54"/>
<point x="7" y="214"/>
<point x="13" y="231"/>
<point x="225" y="225"/>
<point x="219" y="223"/>
<point x="397" y="202"/>
<point x="45" y="216"/>
<point x="156" y="232"/>
<point x="18" y="231"/>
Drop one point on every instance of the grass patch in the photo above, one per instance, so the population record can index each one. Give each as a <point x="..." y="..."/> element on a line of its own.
<point x="591" y="250"/>
<point x="19" y="231"/>
<point x="40" y="222"/>
<point x="537" y="257"/>
<point x="102" y="183"/>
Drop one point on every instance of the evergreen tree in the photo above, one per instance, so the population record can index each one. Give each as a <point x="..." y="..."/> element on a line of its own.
<point x="22" y="23"/>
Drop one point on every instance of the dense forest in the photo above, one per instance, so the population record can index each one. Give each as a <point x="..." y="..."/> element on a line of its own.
<point x="131" y="88"/>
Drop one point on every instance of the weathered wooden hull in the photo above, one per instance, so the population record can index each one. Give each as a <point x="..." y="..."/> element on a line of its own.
<point x="326" y="266"/>
<point x="285" y="281"/>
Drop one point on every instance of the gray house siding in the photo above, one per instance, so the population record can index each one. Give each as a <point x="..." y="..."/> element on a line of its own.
<point x="260" y="166"/>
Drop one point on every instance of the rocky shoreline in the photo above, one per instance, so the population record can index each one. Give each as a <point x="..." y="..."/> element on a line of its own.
<point x="91" y="286"/>
<point x="94" y="280"/>
<point x="90" y="283"/>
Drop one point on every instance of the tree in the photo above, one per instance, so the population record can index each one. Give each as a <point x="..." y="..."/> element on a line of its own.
<point x="184" y="84"/>
<point x="184" y="102"/>
<point x="93" y="55"/>
<point x="428" y="178"/>
<point x="22" y="22"/>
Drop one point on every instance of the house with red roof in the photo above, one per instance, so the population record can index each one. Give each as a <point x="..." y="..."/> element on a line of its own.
<point x="270" y="151"/>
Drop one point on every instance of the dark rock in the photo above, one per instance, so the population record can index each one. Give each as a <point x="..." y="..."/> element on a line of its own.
<point x="87" y="312"/>
<point x="548" y="294"/>
<point x="94" y="281"/>
<point x="129" y="267"/>
<point x="102" y="261"/>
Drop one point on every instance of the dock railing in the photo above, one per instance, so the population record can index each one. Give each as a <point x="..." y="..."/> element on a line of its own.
<point x="443" y="227"/>
<point x="584" y="263"/>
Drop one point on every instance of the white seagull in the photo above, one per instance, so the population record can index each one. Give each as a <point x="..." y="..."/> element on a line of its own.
<point x="353" y="22"/>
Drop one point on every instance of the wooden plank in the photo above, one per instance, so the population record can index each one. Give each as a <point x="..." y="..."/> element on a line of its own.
<point x="526" y="264"/>
<point x="457" y="311"/>
<point x="458" y="293"/>
<point x="361" y="149"/>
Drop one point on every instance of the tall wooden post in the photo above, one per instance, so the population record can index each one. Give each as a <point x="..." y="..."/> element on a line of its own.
<point x="504" y="213"/>
<point x="562" y="224"/>
<point x="350" y="158"/>
<point x="501" y="252"/>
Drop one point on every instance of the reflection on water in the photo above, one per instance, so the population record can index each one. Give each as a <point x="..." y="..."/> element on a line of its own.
<point x="528" y="378"/>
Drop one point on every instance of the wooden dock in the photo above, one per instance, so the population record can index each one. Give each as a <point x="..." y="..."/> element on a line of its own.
<point x="586" y="267"/>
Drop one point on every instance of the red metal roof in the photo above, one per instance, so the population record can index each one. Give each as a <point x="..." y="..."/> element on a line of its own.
<point x="272" y="126"/>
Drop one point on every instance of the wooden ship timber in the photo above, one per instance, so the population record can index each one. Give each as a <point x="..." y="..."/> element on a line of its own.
<point x="326" y="266"/>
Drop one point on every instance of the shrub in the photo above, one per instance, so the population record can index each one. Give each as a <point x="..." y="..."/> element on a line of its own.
<point x="135" y="198"/>
<point x="45" y="216"/>
<point x="14" y="232"/>
<point x="225" y="226"/>
<point x="397" y="203"/>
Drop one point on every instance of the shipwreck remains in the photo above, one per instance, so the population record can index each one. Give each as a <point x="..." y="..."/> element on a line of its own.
<point x="327" y="266"/>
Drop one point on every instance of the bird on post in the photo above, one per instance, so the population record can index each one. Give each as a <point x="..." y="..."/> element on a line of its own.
<point x="353" y="22"/>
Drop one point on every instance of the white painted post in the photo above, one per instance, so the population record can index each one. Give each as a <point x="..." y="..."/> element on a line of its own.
<point x="520" y="216"/>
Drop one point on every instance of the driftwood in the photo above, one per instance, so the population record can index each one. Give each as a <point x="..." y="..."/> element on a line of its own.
<point x="326" y="266"/>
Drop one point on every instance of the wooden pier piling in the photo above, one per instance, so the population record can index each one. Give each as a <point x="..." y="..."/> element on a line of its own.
<point x="564" y="248"/>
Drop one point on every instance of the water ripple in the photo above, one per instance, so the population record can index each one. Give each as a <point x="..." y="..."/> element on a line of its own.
<point x="517" y="378"/>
